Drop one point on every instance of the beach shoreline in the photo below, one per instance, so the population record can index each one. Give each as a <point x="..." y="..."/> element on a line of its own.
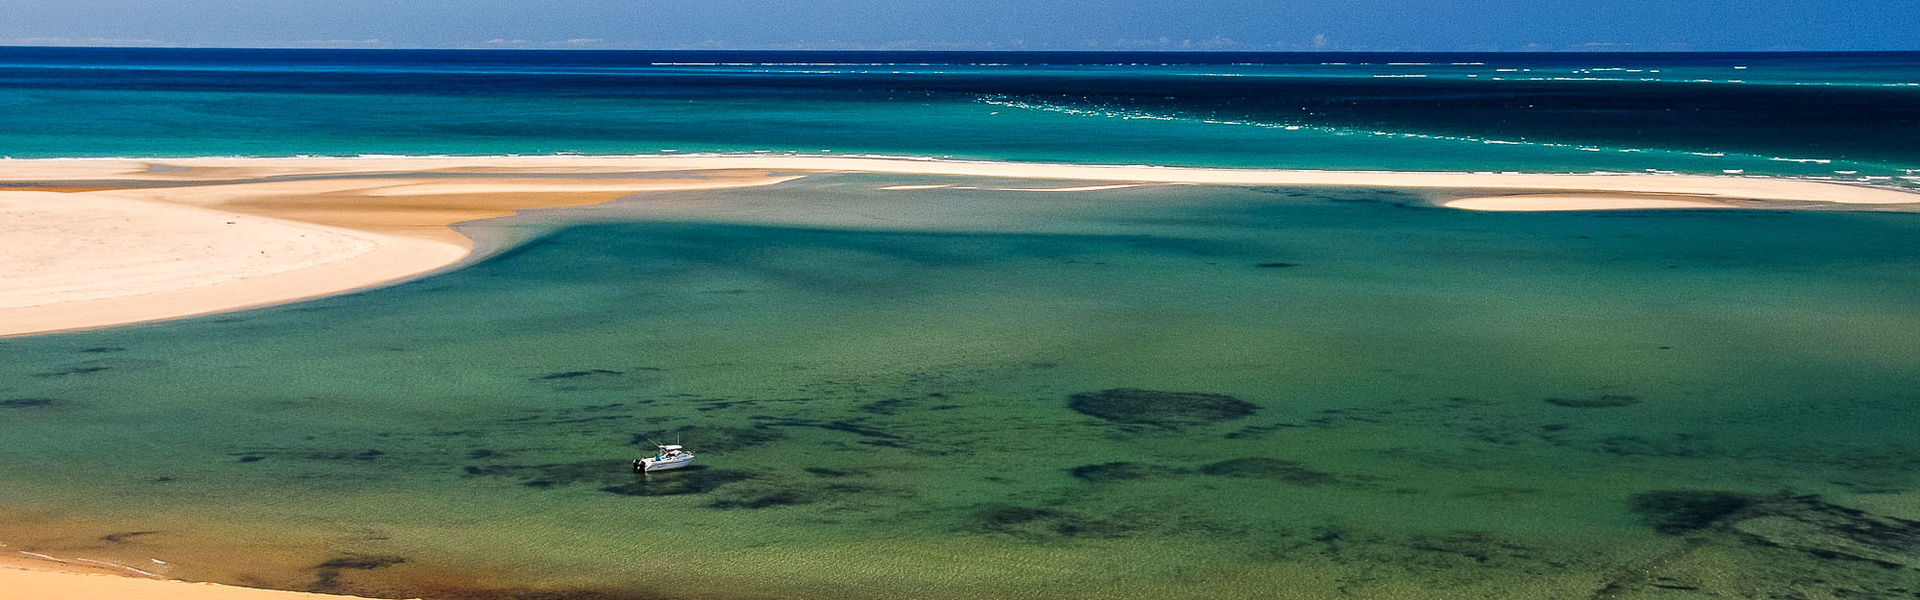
<point x="39" y="577"/>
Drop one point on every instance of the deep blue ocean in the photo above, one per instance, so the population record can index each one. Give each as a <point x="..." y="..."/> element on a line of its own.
<point x="1849" y="116"/>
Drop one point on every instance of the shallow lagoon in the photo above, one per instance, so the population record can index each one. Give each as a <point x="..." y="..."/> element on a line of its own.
<point x="882" y="385"/>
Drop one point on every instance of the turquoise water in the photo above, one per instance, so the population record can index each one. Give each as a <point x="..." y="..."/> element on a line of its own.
<point x="1348" y="392"/>
<point x="1843" y="116"/>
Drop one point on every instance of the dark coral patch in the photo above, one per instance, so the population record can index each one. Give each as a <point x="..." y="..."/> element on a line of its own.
<point x="362" y="562"/>
<point x="1607" y="401"/>
<point x="1806" y="524"/>
<point x="122" y="537"/>
<point x="720" y="439"/>
<point x="833" y="473"/>
<point x="1122" y="471"/>
<point x="577" y="374"/>
<point x="26" y="402"/>
<point x="1165" y="409"/>
<point x="1678" y="512"/>
<point x="329" y="572"/>
<point x="554" y="475"/>
<point x="1260" y="467"/>
<point x="691" y="480"/>
<point x="755" y="497"/>
<point x="1031" y="523"/>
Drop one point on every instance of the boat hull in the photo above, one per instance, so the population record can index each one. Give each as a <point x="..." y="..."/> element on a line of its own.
<point x="648" y="465"/>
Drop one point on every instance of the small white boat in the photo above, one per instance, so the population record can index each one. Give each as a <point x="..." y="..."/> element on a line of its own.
<point x="671" y="456"/>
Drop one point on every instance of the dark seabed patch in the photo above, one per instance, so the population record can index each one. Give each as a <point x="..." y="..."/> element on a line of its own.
<point x="1164" y="409"/>
<point x="328" y="573"/>
<point x="577" y="374"/>
<point x="753" y="496"/>
<point x="1805" y="523"/>
<point x="1260" y="467"/>
<point x="552" y="475"/>
<point x="26" y="402"/>
<point x="1123" y="471"/>
<point x="715" y="438"/>
<point x="690" y="480"/>
<point x="1043" y="523"/>
<point x="99" y="365"/>
<point x="834" y="473"/>
<point x="1680" y="511"/>
<point x="1606" y="401"/>
<point x="122" y="537"/>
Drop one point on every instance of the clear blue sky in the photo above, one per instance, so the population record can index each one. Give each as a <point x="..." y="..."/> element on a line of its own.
<point x="976" y="24"/>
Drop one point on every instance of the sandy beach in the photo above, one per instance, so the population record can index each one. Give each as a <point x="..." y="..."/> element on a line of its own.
<point x="25" y="577"/>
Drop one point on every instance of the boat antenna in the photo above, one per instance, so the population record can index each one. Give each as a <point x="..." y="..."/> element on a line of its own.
<point x="656" y="443"/>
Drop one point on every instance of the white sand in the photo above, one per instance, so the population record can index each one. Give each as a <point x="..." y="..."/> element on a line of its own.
<point x="80" y="260"/>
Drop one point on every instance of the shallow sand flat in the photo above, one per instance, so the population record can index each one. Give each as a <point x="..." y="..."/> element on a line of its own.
<point x="1077" y="188"/>
<point x="45" y="580"/>
<point x="1571" y="202"/>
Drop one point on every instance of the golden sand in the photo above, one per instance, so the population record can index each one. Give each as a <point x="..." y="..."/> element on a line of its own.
<point x="25" y="576"/>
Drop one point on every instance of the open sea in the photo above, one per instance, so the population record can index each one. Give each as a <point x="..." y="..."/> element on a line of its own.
<point x="1151" y="392"/>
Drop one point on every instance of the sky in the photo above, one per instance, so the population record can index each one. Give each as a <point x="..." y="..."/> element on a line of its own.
<point x="1285" y="25"/>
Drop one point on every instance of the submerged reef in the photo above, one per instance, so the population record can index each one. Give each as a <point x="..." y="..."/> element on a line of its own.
<point x="1805" y="523"/>
<point x="1035" y="524"/>
<point x="1260" y="467"/>
<point x="1607" y="401"/>
<point x="1122" y="471"/>
<point x="1164" y="409"/>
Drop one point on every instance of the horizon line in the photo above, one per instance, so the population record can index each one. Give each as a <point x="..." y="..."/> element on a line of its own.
<point x="927" y="51"/>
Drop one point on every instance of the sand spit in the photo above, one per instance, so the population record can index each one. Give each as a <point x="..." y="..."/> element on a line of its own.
<point x="94" y="243"/>
<point x="82" y="172"/>
<point x="129" y="254"/>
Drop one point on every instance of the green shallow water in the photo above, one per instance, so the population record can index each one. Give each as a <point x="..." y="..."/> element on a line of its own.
<point x="879" y="385"/>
